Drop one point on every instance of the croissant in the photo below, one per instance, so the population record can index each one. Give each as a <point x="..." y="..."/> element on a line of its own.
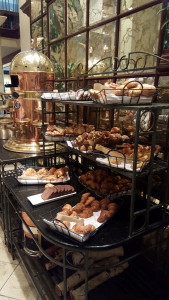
<point x="84" y="196"/>
<point x="83" y="229"/>
<point x="79" y="207"/>
<point x="104" y="203"/>
<point x="86" y="213"/>
<point x="104" y="215"/>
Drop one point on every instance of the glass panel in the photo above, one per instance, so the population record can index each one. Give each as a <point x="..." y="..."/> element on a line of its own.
<point x="60" y="86"/>
<point x="45" y="51"/>
<point x="166" y="36"/>
<point x="101" y="45"/>
<point x="137" y="33"/>
<point x="38" y="25"/>
<point x="72" y="85"/>
<point x="44" y="6"/>
<point x="164" y="93"/>
<point x="76" y="15"/>
<point x="76" y="49"/>
<point x="35" y="9"/>
<point x="57" y="56"/>
<point x="130" y="4"/>
<point x="101" y="10"/>
<point x="45" y="32"/>
<point x="57" y="22"/>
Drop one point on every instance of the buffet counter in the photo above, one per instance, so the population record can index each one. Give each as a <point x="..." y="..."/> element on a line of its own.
<point x="111" y="237"/>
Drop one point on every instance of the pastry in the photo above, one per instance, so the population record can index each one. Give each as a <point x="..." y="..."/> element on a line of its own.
<point x="42" y="171"/>
<point x="100" y="181"/>
<point x="89" y="201"/>
<point x="86" y="213"/>
<point x="84" y="197"/>
<point x="83" y="229"/>
<point x="49" y="185"/>
<point x="29" y="172"/>
<point x="104" y="203"/>
<point x="112" y="208"/>
<point x="79" y="208"/>
<point x="104" y="215"/>
<point x="52" y="171"/>
<point x="68" y="208"/>
<point x="95" y="205"/>
<point x="60" y="172"/>
<point x="122" y="90"/>
<point x="148" y="90"/>
<point x="65" y="224"/>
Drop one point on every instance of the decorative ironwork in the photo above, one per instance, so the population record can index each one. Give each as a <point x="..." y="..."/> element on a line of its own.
<point x="124" y="63"/>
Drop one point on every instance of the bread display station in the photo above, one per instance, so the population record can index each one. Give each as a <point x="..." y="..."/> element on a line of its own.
<point x="101" y="182"/>
<point x="60" y="133"/>
<point x="53" y="174"/>
<point x="87" y="141"/>
<point x="130" y="88"/>
<point x="86" y="215"/>
<point x="125" y="155"/>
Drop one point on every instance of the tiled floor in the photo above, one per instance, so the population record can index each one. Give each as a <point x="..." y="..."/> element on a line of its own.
<point x="14" y="281"/>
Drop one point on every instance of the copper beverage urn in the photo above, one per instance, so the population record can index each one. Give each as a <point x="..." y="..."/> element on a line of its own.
<point x="31" y="74"/>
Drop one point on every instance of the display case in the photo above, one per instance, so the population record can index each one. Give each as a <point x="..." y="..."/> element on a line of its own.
<point x="142" y="206"/>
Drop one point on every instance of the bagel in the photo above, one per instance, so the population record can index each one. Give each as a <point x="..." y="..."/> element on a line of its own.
<point x="148" y="90"/>
<point x="128" y="80"/>
<point x="135" y="92"/>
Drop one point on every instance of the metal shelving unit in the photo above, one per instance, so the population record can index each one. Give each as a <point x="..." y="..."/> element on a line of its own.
<point x="137" y="217"/>
<point x="154" y="166"/>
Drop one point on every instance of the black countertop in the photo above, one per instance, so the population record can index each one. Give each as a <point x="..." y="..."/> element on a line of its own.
<point x="114" y="233"/>
<point x="7" y="156"/>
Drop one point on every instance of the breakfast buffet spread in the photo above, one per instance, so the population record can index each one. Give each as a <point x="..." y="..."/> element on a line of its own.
<point x="130" y="91"/>
<point x="113" y="147"/>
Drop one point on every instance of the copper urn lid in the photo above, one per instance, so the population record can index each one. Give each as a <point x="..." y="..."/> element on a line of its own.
<point x="31" y="61"/>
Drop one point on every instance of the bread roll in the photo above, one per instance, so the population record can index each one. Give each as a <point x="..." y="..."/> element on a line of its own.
<point x="128" y="80"/>
<point x="135" y="92"/>
<point x="148" y="90"/>
<point x="121" y="90"/>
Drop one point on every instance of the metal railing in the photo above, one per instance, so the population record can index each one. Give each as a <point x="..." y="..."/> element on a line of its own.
<point x="9" y="5"/>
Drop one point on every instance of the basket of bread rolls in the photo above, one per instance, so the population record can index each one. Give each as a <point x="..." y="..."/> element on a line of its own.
<point x="102" y="183"/>
<point x="58" y="133"/>
<point x="123" y="156"/>
<point x="87" y="141"/>
<point x="130" y="91"/>
<point x="81" y="218"/>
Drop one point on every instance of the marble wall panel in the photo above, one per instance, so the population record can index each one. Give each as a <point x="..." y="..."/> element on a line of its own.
<point x="35" y="9"/>
<point x="76" y="15"/>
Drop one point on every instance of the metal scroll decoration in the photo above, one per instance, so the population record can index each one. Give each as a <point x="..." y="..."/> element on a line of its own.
<point x="129" y="64"/>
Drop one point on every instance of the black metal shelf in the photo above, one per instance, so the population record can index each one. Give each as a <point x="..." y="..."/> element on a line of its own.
<point x="158" y="164"/>
<point x="37" y="273"/>
<point x="139" y="281"/>
<point x="114" y="233"/>
<point x="153" y="106"/>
